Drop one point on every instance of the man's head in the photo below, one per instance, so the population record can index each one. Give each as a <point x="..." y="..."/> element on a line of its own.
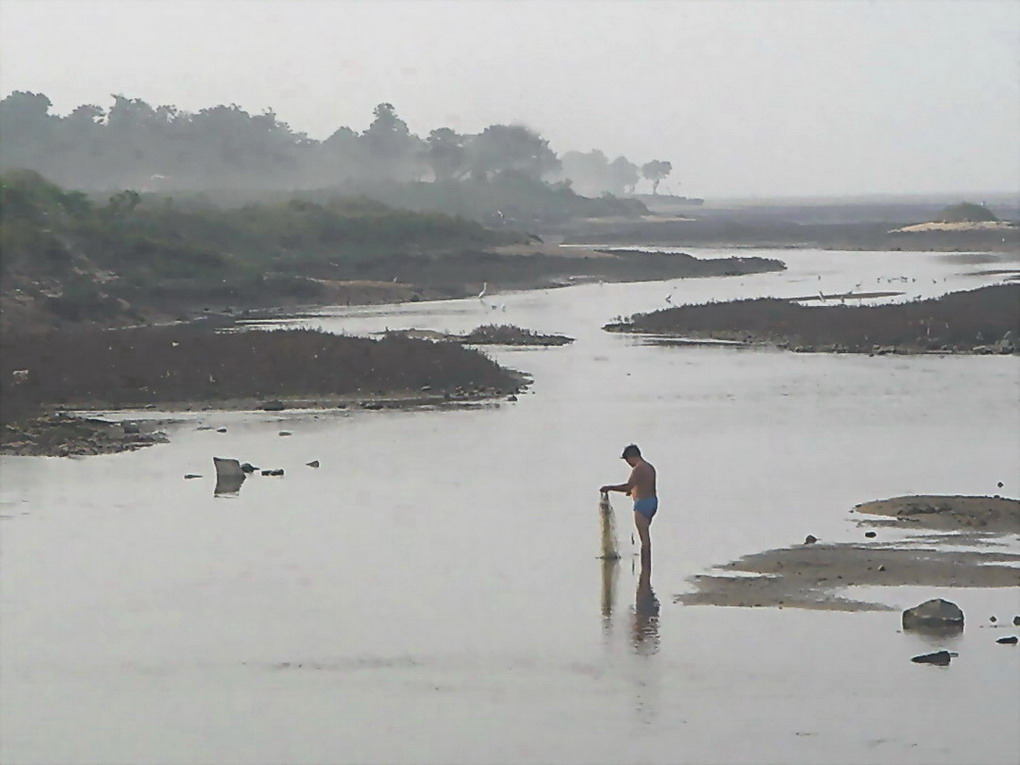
<point x="632" y="454"/>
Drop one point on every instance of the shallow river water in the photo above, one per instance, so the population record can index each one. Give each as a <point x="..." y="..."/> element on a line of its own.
<point x="431" y="593"/>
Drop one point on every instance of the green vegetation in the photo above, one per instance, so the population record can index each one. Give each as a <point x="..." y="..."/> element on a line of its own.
<point x="512" y="201"/>
<point x="144" y="365"/>
<point x="89" y="258"/>
<point x="966" y="212"/>
<point x="508" y="173"/>
<point x="987" y="318"/>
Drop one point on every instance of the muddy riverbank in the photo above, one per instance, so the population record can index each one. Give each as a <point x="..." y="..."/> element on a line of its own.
<point x="817" y="573"/>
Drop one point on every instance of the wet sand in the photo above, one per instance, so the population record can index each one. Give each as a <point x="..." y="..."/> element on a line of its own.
<point x="815" y="575"/>
<point x="994" y="514"/>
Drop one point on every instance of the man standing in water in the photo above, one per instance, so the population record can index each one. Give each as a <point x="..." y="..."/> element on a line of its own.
<point x="641" y="488"/>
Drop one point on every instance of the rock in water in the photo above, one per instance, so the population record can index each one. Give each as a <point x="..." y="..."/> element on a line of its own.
<point x="941" y="658"/>
<point x="936" y="614"/>
<point x="810" y="539"/>
<point x="1010" y="640"/>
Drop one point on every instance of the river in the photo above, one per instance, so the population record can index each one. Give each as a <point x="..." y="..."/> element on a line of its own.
<point x="431" y="592"/>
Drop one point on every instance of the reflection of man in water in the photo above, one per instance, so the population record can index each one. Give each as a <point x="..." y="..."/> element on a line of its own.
<point x="646" y="616"/>
<point x="641" y="487"/>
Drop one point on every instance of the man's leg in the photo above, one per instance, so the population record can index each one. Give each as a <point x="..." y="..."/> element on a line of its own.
<point x="643" y="523"/>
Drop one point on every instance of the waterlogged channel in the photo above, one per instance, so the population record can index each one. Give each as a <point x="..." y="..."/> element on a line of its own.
<point x="431" y="592"/>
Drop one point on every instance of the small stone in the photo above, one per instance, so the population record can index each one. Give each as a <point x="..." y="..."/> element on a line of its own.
<point x="192" y="475"/>
<point x="1016" y="621"/>
<point x="810" y="539"/>
<point x="511" y="397"/>
<point x="285" y="433"/>
<point x="1010" y="640"/>
<point x="221" y="430"/>
<point x="870" y="534"/>
<point x="275" y="405"/>
<point x="939" y="658"/>
<point x="881" y="568"/>
<point x="247" y="467"/>
<point x="313" y="464"/>
<point x="992" y="619"/>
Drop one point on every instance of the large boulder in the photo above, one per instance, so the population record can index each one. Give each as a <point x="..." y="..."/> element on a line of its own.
<point x="935" y="614"/>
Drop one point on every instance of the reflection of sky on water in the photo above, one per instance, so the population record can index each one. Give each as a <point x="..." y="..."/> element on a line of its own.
<point x="434" y="581"/>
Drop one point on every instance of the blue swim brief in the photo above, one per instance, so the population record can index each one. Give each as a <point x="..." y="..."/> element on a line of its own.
<point x="646" y="506"/>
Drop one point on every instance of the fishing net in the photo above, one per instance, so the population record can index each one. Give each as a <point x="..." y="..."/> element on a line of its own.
<point x="607" y="520"/>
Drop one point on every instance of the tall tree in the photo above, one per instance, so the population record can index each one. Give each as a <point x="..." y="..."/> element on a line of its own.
<point x="511" y="148"/>
<point x="587" y="172"/>
<point x="623" y="176"/>
<point x="27" y="128"/>
<point x="445" y="153"/>
<point x="390" y="144"/>
<point x="655" y="171"/>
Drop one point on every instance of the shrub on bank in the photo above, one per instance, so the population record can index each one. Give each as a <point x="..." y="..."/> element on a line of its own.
<point x="960" y="319"/>
<point x="150" y="365"/>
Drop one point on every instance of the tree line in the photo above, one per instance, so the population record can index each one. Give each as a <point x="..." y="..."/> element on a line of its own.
<point x="135" y="145"/>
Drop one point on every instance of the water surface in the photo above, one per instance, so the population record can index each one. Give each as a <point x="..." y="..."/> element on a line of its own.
<point x="431" y="593"/>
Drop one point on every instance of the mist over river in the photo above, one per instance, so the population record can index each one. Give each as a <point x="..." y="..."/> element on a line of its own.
<point x="431" y="593"/>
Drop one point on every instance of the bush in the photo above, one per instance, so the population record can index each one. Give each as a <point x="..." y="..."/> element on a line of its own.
<point x="966" y="212"/>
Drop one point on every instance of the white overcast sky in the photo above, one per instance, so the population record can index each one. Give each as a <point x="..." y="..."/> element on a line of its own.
<point x="745" y="98"/>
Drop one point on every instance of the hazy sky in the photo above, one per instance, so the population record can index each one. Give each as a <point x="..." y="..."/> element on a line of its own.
<point x="745" y="98"/>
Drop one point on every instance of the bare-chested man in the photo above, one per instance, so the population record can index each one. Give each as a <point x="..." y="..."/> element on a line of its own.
<point x="641" y="488"/>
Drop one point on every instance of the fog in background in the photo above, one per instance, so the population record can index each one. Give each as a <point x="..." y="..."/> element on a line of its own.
<point x="744" y="98"/>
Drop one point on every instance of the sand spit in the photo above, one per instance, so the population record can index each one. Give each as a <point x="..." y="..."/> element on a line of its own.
<point x="995" y="514"/>
<point x="816" y="575"/>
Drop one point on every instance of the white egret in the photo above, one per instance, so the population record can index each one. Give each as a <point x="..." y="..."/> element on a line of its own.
<point x="482" y="293"/>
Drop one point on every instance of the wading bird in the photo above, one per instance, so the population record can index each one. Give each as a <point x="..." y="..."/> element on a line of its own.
<point x="482" y="293"/>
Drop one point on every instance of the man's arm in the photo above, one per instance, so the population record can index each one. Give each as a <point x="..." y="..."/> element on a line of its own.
<point x="622" y="487"/>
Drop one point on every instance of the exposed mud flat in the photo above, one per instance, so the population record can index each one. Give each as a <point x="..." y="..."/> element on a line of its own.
<point x="994" y="514"/>
<point x="814" y="575"/>
<point x="60" y="435"/>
